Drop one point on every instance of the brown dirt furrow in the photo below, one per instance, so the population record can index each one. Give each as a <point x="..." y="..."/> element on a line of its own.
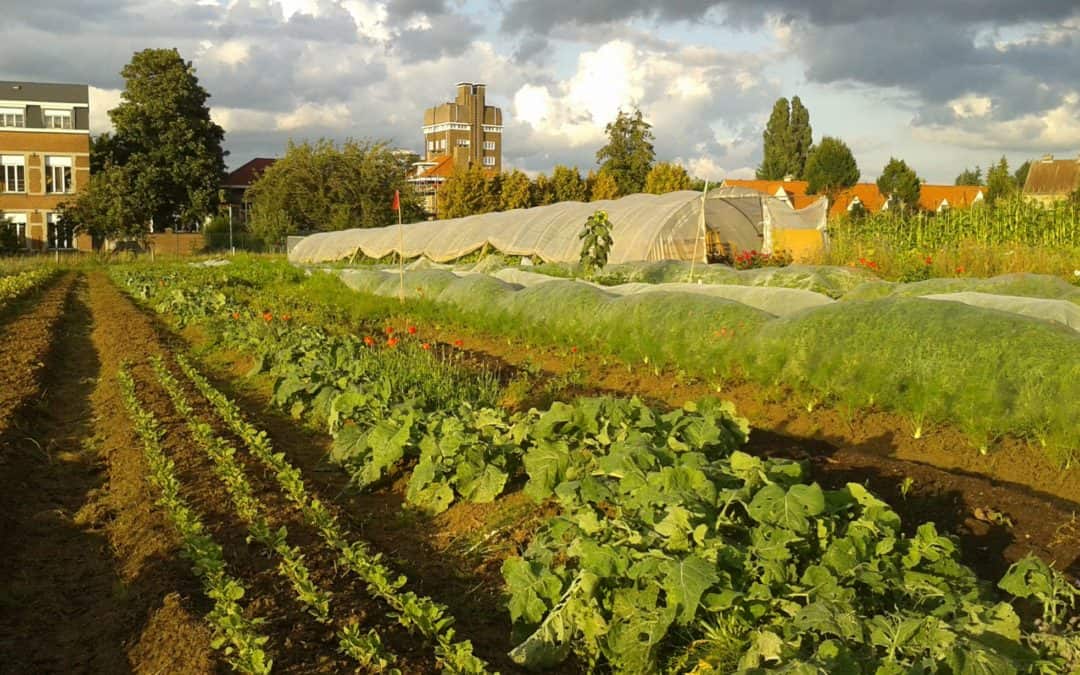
<point x="298" y="643"/>
<point x="65" y="606"/>
<point x="25" y="339"/>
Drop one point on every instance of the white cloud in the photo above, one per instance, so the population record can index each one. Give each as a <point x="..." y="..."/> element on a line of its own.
<point x="1057" y="129"/>
<point x="971" y="106"/>
<point x="101" y="102"/>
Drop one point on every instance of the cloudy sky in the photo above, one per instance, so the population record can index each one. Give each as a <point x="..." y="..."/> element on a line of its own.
<point x="943" y="84"/>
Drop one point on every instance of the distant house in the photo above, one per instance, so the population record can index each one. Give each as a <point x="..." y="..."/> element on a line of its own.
<point x="791" y="192"/>
<point x="1051" y="180"/>
<point x="428" y="177"/>
<point x="934" y="198"/>
<point x="235" y="187"/>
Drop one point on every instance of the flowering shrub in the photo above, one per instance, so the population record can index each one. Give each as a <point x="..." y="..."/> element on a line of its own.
<point x="747" y="260"/>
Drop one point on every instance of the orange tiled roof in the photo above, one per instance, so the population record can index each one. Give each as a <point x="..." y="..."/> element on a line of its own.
<point x="443" y="168"/>
<point x="802" y="201"/>
<point x="958" y="196"/>
<point x="869" y="196"/>
<point x="795" y="188"/>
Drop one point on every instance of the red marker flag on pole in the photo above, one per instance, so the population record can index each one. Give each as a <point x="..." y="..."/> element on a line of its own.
<point x="397" y="201"/>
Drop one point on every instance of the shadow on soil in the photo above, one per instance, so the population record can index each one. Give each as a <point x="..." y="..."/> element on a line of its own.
<point x="63" y="606"/>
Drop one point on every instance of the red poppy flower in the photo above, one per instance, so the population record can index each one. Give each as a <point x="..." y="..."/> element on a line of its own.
<point x="236" y="316"/>
<point x="368" y="340"/>
<point x="412" y="330"/>
<point x="459" y="343"/>
<point x="573" y="350"/>
<point x="929" y="260"/>
<point x="286" y="317"/>
<point x="389" y="330"/>
<point x="268" y="317"/>
<point x="960" y="270"/>
<point x="425" y="346"/>
<point x="392" y="342"/>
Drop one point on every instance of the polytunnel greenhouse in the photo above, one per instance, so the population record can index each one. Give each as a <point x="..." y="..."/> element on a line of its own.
<point x="674" y="226"/>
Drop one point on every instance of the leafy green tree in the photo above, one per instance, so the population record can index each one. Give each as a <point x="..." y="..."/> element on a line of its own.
<point x="165" y="137"/>
<point x="604" y="187"/>
<point x="1020" y="177"/>
<point x="320" y="186"/>
<point x="568" y="185"/>
<point x="831" y="167"/>
<point x="801" y="139"/>
<point x="493" y="186"/>
<point x="543" y="191"/>
<point x="970" y="177"/>
<point x="666" y="177"/>
<point x="1000" y="183"/>
<point x="108" y="206"/>
<point x="516" y="191"/>
<point x="777" y="143"/>
<point x="899" y="183"/>
<point x="464" y="193"/>
<point x="787" y="140"/>
<point x="629" y="153"/>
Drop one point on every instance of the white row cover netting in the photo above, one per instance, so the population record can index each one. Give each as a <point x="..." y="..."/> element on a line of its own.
<point x="644" y="227"/>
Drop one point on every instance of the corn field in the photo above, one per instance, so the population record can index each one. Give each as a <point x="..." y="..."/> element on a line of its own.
<point x="1005" y="223"/>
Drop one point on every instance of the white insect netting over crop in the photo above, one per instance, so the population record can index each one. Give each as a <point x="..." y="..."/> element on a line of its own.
<point x="644" y="227"/>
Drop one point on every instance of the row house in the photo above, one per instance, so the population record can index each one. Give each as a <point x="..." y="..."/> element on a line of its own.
<point x="44" y="160"/>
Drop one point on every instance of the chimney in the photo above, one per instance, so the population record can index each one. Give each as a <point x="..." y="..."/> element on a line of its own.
<point x="464" y="90"/>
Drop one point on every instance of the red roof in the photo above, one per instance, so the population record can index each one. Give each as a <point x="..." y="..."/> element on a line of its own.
<point x="931" y="197"/>
<point x="248" y="173"/>
<point x="443" y="168"/>
<point x="794" y="188"/>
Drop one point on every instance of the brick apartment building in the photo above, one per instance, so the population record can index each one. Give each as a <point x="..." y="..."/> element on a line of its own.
<point x="462" y="132"/>
<point x="44" y="159"/>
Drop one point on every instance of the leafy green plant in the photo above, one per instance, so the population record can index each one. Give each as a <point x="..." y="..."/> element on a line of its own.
<point x="234" y="633"/>
<point x="596" y="242"/>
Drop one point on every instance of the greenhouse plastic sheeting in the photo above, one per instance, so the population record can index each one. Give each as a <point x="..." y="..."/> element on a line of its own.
<point x="775" y="301"/>
<point x="1059" y="311"/>
<point x="644" y="227"/>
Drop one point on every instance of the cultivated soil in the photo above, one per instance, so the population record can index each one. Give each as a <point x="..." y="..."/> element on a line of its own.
<point x="1002" y="506"/>
<point x="94" y="579"/>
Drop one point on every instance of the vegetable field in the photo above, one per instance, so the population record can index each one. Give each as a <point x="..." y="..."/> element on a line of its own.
<point x="246" y="467"/>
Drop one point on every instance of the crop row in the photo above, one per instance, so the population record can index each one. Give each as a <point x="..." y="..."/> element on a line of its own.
<point x="233" y="631"/>
<point x="416" y="613"/>
<point x="667" y="530"/>
<point x="15" y="285"/>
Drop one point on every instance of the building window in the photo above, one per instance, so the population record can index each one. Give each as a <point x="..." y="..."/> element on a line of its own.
<point x="58" y="119"/>
<point x="442" y="144"/>
<point x="57" y="175"/>
<point x="463" y="142"/>
<point x="14" y="173"/>
<point x="489" y="160"/>
<point x="489" y="145"/>
<point x="18" y="221"/>
<point x="60" y="236"/>
<point x="431" y="146"/>
<point x="12" y="117"/>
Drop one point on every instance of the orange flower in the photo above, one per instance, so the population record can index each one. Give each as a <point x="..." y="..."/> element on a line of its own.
<point x="960" y="270"/>
<point x="236" y="316"/>
<point x="389" y="330"/>
<point x="286" y="317"/>
<point x="573" y="350"/>
<point x="426" y="346"/>
<point x="459" y="343"/>
<point x="392" y="342"/>
<point x="267" y="317"/>
<point x="368" y="340"/>
<point x="412" y="330"/>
